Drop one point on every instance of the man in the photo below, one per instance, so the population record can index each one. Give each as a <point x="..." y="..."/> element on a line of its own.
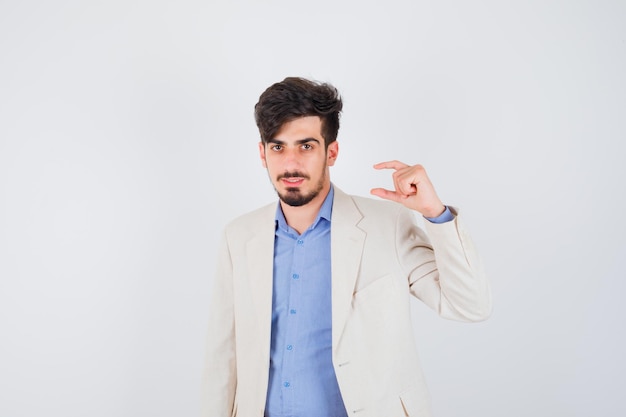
<point x="310" y="312"/>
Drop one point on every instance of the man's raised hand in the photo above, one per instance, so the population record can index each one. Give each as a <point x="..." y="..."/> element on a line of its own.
<point x="413" y="188"/>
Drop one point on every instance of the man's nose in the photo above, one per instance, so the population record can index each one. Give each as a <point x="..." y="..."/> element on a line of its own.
<point x="291" y="158"/>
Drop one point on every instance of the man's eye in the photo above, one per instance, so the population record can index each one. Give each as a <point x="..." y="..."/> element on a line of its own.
<point x="276" y="147"/>
<point x="307" y="146"/>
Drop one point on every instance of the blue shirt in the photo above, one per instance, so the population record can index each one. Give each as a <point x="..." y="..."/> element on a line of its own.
<point x="302" y="380"/>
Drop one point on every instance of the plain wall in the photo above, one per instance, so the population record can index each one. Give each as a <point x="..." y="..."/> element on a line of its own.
<point x="127" y="141"/>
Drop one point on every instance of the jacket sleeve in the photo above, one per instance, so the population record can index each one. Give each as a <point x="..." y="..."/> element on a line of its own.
<point x="444" y="268"/>
<point x="219" y="379"/>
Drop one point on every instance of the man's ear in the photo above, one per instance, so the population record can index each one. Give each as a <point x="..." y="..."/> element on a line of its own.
<point x="262" y="154"/>
<point x="331" y="153"/>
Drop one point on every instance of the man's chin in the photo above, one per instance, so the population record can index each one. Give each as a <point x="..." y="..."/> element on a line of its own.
<point x="294" y="198"/>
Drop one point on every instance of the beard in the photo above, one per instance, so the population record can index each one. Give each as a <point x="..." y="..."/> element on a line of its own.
<point x="293" y="196"/>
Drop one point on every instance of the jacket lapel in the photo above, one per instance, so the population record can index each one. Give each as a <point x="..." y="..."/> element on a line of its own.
<point x="347" y="241"/>
<point x="260" y="255"/>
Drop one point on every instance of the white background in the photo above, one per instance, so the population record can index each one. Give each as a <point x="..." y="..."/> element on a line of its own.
<point x="127" y="141"/>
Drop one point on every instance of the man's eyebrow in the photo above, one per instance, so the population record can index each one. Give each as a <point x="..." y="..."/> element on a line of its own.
<point x="298" y="142"/>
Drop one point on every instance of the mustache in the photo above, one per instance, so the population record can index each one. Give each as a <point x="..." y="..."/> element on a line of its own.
<point x="295" y="174"/>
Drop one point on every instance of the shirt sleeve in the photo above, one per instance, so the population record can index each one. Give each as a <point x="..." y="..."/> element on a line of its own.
<point x="444" y="217"/>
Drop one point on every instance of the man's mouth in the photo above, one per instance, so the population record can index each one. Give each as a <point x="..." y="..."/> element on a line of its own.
<point x="292" y="179"/>
<point x="292" y="182"/>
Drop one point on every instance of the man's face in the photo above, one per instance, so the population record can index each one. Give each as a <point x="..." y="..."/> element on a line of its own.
<point x="297" y="162"/>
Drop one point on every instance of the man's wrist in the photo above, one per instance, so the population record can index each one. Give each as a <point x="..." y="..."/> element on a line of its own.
<point x="434" y="212"/>
<point x="444" y="217"/>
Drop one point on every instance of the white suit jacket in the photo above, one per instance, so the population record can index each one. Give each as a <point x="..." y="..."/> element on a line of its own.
<point x="379" y="256"/>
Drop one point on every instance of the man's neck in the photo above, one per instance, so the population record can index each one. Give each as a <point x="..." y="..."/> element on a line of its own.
<point x="302" y="217"/>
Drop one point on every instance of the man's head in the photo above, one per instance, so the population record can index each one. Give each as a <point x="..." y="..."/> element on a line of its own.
<point x="298" y="121"/>
<point x="296" y="97"/>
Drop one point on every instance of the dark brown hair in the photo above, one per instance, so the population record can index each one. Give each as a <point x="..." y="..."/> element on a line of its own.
<point x="296" y="97"/>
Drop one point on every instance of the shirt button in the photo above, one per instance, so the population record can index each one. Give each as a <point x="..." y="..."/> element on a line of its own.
<point x="295" y="276"/>
<point x="300" y="242"/>
<point x="286" y="385"/>
<point x="292" y="311"/>
<point x="289" y="347"/>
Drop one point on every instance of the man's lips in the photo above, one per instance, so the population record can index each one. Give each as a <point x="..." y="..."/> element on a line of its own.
<point x="292" y="181"/>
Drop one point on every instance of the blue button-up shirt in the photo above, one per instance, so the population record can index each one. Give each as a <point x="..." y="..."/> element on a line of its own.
<point x="302" y="380"/>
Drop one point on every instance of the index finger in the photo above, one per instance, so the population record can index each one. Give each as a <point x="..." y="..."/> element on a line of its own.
<point x="390" y="165"/>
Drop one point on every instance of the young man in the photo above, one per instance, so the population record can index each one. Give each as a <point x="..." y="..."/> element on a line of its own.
<point x="310" y="312"/>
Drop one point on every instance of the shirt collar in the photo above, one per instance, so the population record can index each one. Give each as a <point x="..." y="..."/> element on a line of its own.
<point x="325" y="212"/>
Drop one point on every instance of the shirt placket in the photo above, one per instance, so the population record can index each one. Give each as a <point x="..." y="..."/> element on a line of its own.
<point x="291" y="385"/>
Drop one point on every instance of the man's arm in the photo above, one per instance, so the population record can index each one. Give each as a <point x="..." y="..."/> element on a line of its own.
<point x="455" y="284"/>
<point x="445" y="271"/>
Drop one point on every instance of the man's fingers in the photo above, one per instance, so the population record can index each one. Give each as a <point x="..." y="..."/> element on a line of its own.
<point x="412" y="189"/>
<point x="390" y="165"/>
<point x="386" y="194"/>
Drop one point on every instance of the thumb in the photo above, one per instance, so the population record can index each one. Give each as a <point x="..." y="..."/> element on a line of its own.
<point x="386" y="194"/>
